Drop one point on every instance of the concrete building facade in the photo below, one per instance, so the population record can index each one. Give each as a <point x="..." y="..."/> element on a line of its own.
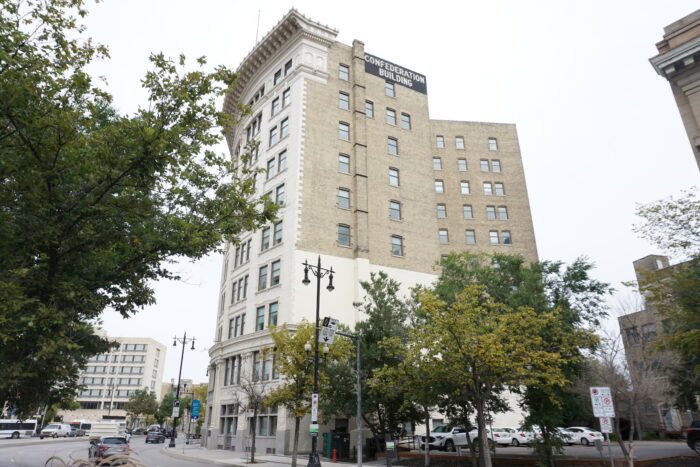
<point x="366" y="181"/>
<point x="111" y="378"/>
<point x="679" y="62"/>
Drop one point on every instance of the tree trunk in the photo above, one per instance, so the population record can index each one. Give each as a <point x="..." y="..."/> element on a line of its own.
<point x="252" y="445"/>
<point x="295" y="447"/>
<point x="427" y="435"/>
<point x="630" y="459"/>
<point x="484" y="449"/>
<point x="621" y="441"/>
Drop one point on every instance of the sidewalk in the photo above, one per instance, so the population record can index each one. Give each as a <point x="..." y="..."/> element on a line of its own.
<point x="197" y="453"/>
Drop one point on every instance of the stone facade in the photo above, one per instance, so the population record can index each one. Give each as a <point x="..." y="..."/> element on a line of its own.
<point x="359" y="191"/>
<point x="679" y="62"/>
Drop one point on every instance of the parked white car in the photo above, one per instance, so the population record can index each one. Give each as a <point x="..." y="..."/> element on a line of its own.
<point x="55" y="430"/>
<point x="566" y="436"/>
<point x="444" y="438"/>
<point x="584" y="435"/>
<point x="499" y="436"/>
<point x="520" y="437"/>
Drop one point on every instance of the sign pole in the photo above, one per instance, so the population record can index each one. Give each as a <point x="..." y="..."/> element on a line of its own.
<point x="612" y="462"/>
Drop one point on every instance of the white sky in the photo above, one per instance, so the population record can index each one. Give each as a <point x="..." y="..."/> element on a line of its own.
<point x="599" y="129"/>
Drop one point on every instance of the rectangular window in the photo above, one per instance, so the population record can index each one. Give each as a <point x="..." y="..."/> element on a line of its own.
<point x="274" y="136"/>
<point x="488" y="188"/>
<point x="287" y="67"/>
<point x="278" y="77"/>
<point x="500" y="190"/>
<point x="262" y="278"/>
<point x="459" y="142"/>
<point x="279" y="195"/>
<point x="343" y="235"/>
<point x="393" y="177"/>
<point x="496" y="166"/>
<point x="282" y="161"/>
<point x="271" y="166"/>
<point x="441" y="211"/>
<point x="440" y="141"/>
<point x="392" y="146"/>
<point x="343" y="101"/>
<point x="443" y="236"/>
<point x="265" y="242"/>
<point x="396" y="245"/>
<point x="471" y="237"/>
<point x="257" y="361"/>
<point x="344" y="198"/>
<point x="632" y="335"/>
<point x="484" y="164"/>
<point x="369" y="109"/>
<point x="505" y="237"/>
<point x="275" y="106"/>
<point x="344" y="163"/>
<point x="233" y="291"/>
<point x="493" y="237"/>
<point x="467" y="211"/>
<point x="491" y="212"/>
<point x="503" y="213"/>
<point x="260" y="318"/>
<point x="273" y="310"/>
<point x="344" y="131"/>
<point x="462" y="165"/>
<point x="391" y="116"/>
<point x="493" y="144"/>
<point x="343" y="72"/>
<point x="439" y="186"/>
<point x="389" y="89"/>
<point x="284" y="128"/>
<point x="277" y="235"/>
<point x="286" y="97"/>
<point x="437" y="163"/>
<point x="276" y="271"/>
<point x="395" y="210"/>
<point x="464" y="187"/>
<point x="405" y="121"/>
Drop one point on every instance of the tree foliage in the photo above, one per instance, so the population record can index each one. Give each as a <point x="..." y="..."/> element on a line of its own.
<point x="165" y="409"/>
<point x="141" y="402"/>
<point x="95" y="204"/>
<point x="295" y="366"/>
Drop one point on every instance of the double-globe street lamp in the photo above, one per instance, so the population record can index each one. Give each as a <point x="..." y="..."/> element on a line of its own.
<point x="176" y="405"/>
<point x="319" y="273"/>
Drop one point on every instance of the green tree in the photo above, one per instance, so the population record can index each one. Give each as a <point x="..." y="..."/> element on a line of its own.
<point x="295" y="366"/>
<point x="673" y="225"/>
<point x="568" y="291"/>
<point x="200" y="393"/>
<point x="141" y="402"/>
<point x="477" y="347"/>
<point x="95" y="204"/>
<point x="165" y="409"/>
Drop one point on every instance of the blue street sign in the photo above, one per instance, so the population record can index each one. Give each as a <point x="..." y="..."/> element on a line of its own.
<point x="195" y="408"/>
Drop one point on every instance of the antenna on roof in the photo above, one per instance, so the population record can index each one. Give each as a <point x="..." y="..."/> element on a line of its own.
<point x="257" y="28"/>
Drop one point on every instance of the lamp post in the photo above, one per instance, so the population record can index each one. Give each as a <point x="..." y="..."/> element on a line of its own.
<point x="184" y="340"/>
<point x="319" y="273"/>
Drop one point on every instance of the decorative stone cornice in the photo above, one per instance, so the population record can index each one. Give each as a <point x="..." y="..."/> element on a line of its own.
<point x="679" y="58"/>
<point x="290" y="27"/>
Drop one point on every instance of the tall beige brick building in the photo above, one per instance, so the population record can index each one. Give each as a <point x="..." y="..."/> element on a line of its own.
<point x="679" y="62"/>
<point x="365" y="179"/>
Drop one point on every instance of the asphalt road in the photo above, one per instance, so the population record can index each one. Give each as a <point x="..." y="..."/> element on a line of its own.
<point x="35" y="453"/>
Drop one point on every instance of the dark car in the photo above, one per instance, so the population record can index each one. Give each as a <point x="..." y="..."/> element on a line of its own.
<point x="167" y="432"/>
<point x="139" y="431"/>
<point x="109" y="446"/>
<point x="693" y="436"/>
<point x="155" y="437"/>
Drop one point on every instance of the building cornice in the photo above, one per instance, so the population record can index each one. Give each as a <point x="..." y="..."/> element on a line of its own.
<point x="292" y="26"/>
<point x="676" y="59"/>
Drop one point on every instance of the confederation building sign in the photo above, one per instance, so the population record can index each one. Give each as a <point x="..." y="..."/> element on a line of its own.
<point x="393" y="72"/>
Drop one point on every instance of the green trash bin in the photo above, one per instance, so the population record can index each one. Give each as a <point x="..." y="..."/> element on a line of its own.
<point x="327" y="445"/>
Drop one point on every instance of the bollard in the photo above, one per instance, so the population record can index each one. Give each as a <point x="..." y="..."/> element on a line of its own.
<point x="334" y="458"/>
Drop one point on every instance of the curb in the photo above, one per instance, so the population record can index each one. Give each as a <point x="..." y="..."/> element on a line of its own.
<point x="35" y="441"/>
<point x="184" y="457"/>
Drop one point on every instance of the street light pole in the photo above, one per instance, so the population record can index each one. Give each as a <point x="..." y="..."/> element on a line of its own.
<point x="319" y="273"/>
<point x="184" y="340"/>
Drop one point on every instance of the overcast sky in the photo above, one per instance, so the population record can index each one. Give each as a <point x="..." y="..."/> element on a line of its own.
<point x="599" y="130"/>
